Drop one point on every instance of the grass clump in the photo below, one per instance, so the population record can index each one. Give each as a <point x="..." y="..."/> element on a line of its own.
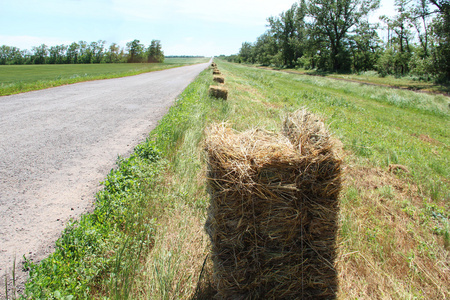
<point x="95" y="253"/>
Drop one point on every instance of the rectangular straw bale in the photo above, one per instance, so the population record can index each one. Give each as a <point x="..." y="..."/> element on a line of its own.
<point x="216" y="72"/>
<point x="272" y="219"/>
<point x="218" y="92"/>
<point x="219" y="79"/>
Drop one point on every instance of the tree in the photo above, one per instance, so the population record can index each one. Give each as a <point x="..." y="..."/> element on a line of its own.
<point x="135" y="51"/>
<point x="334" y="19"/>
<point x="11" y="55"/>
<point x="284" y="31"/>
<point x="364" y="47"/>
<point x="289" y="31"/>
<point x="97" y="50"/>
<point x="400" y="40"/>
<point x="246" y="53"/>
<point x="265" y="49"/>
<point x="72" y="53"/>
<point x="39" y="55"/>
<point x="112" y="55"/>
<point x="57" y="54"/>
<point x="419" y="18"/>
<point x="441" y="38"/>
<point x="85" y="53"/>
<point x="154" y="52"/>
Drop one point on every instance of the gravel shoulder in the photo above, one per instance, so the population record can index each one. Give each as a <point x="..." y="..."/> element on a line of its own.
<point x="56" y="145"/>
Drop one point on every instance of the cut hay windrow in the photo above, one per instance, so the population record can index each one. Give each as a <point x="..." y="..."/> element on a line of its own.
<point x="218" y="92"/>
<point x="219" y="79"/>
<point x="273" y="214"/>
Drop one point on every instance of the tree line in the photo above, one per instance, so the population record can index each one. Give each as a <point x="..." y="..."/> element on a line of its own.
<point x="335" y="35"/>
<point x="83" y="53"/>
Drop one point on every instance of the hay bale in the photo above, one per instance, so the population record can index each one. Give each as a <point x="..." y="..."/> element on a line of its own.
<point x="218" y="92"/>
<point x="213" y="64"/>
<point x="216" y="72"/>
<point x="219" y="79"/>
<point x="273" y="214"/>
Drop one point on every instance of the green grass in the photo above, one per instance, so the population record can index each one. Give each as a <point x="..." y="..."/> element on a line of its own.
<point x="22" y="78"/>
<point x="394" y="228"/>
<point x="96" y="253"/>
<point x="372" y="77"/>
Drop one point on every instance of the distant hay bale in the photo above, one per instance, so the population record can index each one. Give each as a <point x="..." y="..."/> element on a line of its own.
<point x="213" y="64"/>
<point x="273" y="214"/>
<point x="216" y="72"/>
<point x="219" y="79"/>
<point x="218" y="92"/>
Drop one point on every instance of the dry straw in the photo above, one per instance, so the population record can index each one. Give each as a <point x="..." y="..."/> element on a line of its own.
<point x="273" y="213"/>
<point x="218" y="92"/>
<point x="219" y="79"/>
<point x="216" y="72"/>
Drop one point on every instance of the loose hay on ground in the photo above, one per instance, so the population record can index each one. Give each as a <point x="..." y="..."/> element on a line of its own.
<point x="273" y="213"/>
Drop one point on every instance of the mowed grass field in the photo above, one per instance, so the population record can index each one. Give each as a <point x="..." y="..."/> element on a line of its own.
<point x="22" y="78"/>
<point x="372" y="77"/>
<point x="394" y="222"/>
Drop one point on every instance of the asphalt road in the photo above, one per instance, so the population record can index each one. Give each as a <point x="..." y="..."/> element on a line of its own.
<point x="57" y="144"/>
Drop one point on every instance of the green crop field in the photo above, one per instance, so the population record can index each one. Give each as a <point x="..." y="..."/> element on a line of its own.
<point x="21" y="78"/>
<point x="394" y="221"/>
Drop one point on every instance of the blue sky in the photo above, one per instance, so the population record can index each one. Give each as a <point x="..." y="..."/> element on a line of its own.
<point x="192" y="27"/>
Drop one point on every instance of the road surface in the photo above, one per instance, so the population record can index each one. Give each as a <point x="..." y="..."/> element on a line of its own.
<point x="57" y="144"/>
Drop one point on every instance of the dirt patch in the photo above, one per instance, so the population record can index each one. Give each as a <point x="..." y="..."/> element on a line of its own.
<point x="426" y="138"/>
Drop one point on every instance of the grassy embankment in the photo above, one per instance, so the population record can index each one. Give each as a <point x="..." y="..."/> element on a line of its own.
<point x="23" y="78"/>
<point x="372" y="77"/>
<point x="394" y="227"/>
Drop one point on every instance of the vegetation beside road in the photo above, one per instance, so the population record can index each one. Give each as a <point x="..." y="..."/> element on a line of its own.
<point x="371" y="77"/>
<point x="16" y="79"/>
<point x="340" y="36"/>
<point x="394" y="224"/>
